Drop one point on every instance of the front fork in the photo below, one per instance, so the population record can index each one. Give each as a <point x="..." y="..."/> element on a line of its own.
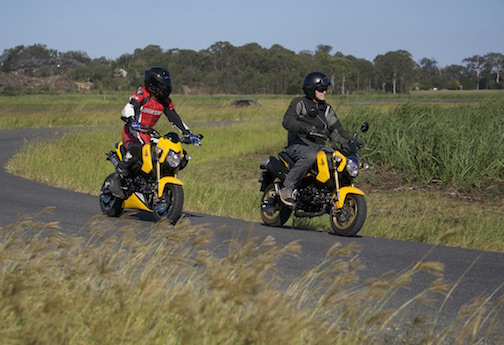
<point x="341" y="193"/>
<point x="336" y="160"/>
<point x="339" y="163"/>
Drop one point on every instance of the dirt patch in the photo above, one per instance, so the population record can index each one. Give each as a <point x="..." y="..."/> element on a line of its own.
<point x="390" y="180"/>
<point x="19" y="83"/>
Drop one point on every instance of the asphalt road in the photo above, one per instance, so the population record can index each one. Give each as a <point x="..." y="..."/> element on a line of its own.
<point x="74" y="211"/>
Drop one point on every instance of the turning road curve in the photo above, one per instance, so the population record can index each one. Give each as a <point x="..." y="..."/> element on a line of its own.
<point x="74" y="211"/>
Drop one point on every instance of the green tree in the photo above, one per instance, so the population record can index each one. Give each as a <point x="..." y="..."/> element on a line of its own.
<point x="476" y="67"/>
<point x="429" y="74"/>
<point x="282" y="72"/>
<point x="24" y="57"/>
<point x="494" y="65"/>
<point x="219" y="56"/>
<point x="78" y="56"/>
<point x="341" y="74"/>
<point x="395" y="71"/>
<point x="364" y="71"/>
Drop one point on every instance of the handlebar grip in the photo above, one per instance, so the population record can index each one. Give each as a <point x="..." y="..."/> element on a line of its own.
<point x="316" y="134"/>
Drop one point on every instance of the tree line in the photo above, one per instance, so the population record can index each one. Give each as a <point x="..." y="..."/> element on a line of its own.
<point x="252" y="69"/>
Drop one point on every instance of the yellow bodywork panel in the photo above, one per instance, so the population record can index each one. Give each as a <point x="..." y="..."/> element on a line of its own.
<point x="343" y="192"/>
<point x="323" y="167"/>
<point x="146" y="159"/>
<point x="167" y="180"/>
<point x="118" y="150"/>
<point x="165" y="145"/>
<point x="134" y="202"/>
<point x="342" y="164"/>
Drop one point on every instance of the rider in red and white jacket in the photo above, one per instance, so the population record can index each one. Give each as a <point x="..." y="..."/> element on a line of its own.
<point x="144" y="109"/>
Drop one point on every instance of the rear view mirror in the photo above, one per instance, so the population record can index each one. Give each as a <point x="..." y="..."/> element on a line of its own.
<point x="364" y="127"/>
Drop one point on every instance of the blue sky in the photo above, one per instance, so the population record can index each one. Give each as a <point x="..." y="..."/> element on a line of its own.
<point x="445" y="30"/>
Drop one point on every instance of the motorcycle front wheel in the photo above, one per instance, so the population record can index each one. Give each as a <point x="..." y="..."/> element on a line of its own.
<point x="273" y="211"/>
<point x="350" y="218"/>
<point x="169" y="207"/>
<point x="109" y="204"/>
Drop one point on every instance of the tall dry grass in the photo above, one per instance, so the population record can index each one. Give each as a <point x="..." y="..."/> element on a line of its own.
<point x="165" y="285"/>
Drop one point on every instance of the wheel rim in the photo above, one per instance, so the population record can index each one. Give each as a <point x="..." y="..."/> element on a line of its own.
<point x="106" y="197"/>
<point x="271" y="205"/>
<point x="348" y="213"/>
<point x="162" y="208"/>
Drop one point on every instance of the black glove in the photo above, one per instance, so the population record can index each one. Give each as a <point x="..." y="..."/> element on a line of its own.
<point x="192" y="139"/>
<point x="304" y="130"/>
<point x="359" y="143"/>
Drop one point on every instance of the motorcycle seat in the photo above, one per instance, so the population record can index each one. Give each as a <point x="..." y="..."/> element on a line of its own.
<point x="290" y="162"/>
<point x="286" y="158"/>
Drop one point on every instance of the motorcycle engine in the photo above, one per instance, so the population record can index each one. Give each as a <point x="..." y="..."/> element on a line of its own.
<point x="314" y="196"/>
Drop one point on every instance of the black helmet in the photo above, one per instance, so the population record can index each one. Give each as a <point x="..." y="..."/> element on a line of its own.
<point x="158" y="82"/>
<point x="315" y="80"/>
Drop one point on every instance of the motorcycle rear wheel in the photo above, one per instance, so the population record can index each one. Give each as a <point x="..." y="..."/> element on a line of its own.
<point x="109" y="204"/>
<point x="273" y="211"/>
<point x="350" y="219"/>
<point x="170" y="205"/>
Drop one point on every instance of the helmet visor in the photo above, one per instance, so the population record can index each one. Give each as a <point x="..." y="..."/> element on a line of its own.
<point x="324" y="82"/>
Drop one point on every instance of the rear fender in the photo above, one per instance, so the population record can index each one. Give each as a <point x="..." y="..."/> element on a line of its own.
<point x="343" y="192"/>
<point x="274" y="169"/>
<point x="266" y="179"/>
<point x="277" y="168"/>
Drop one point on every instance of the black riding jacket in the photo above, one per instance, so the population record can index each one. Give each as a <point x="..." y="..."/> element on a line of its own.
<point x="305" y="115"/>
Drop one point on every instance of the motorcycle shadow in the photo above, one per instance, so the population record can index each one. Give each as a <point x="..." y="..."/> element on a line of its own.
<point x="302" y="228"/>
<point x="142" y="216"/>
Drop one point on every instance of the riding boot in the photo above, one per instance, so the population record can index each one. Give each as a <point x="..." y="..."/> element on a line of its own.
<point x="287" y="197"/>
<point x="122" y="171"/>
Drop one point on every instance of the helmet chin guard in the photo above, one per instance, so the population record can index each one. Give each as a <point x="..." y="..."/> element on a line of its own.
<point x="158" y="82"/>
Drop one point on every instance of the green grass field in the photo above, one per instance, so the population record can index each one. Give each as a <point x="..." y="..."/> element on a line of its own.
<point x="436" y="177"/>
<point x="422" y="149"/>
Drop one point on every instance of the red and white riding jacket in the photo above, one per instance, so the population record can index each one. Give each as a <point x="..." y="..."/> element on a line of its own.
<point x="147" y="110"/>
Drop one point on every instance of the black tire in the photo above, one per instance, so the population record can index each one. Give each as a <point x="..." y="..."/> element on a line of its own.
<point x="109" y="204"/>
<point x="170" y="205"/>
<point x="273" y="211"/>
<point x="352" y="216"/>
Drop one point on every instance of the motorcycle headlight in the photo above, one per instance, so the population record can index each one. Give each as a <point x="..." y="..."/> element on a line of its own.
<point x="352" y="166"/>
<point x="173" y="158"/>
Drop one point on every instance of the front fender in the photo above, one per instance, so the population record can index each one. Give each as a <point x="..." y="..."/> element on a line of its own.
<point x="167" y="180"/>
<point x="343" y="192"/>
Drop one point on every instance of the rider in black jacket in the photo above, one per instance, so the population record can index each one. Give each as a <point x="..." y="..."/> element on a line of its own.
<point x="310" y="121"/>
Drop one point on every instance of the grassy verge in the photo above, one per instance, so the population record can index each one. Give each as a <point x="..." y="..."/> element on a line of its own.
<point x="162" y="285"/>
<point x="457" y="147"/>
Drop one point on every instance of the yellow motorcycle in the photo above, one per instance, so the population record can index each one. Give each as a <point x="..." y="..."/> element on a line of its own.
<point x="327" y="189"/>
<point x="154" y="186"/>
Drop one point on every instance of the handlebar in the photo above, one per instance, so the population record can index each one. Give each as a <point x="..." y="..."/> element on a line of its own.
<point x="317" y="134"/>
<point x="190" y="139"/>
